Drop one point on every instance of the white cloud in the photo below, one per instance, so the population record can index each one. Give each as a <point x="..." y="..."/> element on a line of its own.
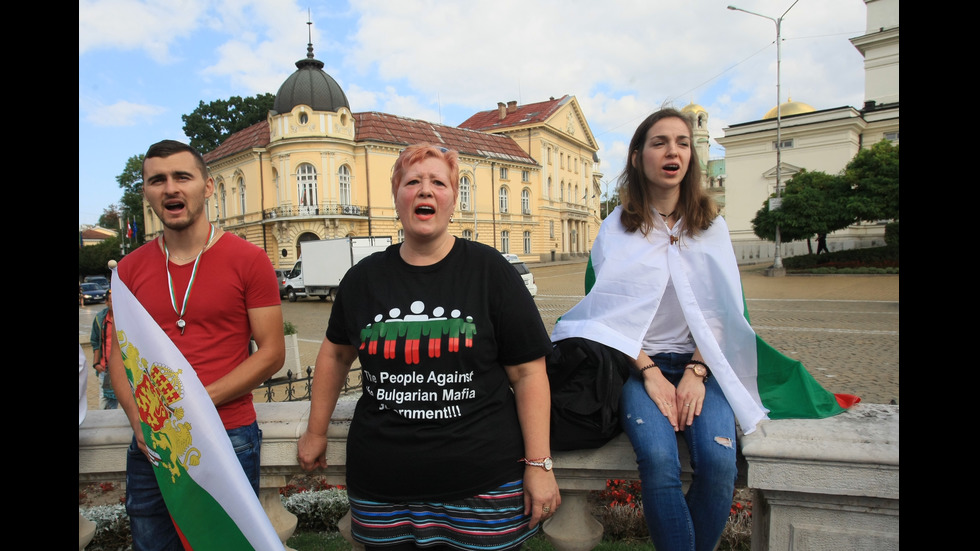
<point x="123" y="113"/>
<point x="151" y="26"/>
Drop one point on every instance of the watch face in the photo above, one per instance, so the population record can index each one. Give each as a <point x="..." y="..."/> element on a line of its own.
<point x="548" y="464"/>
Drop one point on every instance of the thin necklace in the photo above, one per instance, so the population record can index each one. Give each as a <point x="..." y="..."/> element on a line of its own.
<point x="666" y="216"/>
<point x="170" y="280"/>
<point x="199" y="254"/>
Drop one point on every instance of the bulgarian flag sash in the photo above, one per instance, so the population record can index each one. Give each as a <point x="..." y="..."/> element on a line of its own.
<point x="626" y="278"/>
<point x="207" y="493"/>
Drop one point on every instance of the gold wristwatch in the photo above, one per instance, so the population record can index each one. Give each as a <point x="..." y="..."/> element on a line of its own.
<point x="700" y="368"/>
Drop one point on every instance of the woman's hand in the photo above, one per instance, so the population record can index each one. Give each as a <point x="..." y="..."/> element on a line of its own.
<point x="311" y="451"/>
<point x="541" y="495"/>
<point x="662" y="393"/>
<point x="690" y="397"/>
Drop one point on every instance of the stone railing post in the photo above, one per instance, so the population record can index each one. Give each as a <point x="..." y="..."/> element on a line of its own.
<point x="826" y="483"/>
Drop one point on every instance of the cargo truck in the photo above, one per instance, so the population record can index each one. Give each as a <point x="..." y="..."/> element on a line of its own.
<point x="322" y="264"/>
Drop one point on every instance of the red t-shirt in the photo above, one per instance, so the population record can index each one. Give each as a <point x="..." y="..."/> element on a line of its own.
<point x="233" y="276"/>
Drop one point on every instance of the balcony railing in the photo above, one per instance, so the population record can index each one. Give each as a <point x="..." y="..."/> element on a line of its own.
<point x="322" y="209"/>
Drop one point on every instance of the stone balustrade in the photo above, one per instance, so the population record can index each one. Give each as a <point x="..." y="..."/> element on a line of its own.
<point x="822" y="484"/>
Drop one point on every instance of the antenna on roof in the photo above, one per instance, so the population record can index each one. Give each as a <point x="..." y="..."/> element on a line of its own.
<point x="309" y="23"/>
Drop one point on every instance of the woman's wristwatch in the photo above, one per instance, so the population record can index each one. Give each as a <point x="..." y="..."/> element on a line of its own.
<point x="700" y="369"/>
<point x="545" y="462"/>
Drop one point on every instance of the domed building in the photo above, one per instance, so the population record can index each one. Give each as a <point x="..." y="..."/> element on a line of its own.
<point x="816" y="140"/>
<point x="788" y="109"/>
<point x="316" y="170"/>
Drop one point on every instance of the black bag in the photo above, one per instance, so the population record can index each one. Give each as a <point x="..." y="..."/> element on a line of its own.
<point x="586" y="379"/>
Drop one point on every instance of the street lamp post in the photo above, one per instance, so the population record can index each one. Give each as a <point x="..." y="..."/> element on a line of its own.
<point x="777" y="268"/>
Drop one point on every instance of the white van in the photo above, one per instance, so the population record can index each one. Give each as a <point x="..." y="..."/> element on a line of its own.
<point x="523" y="271"/>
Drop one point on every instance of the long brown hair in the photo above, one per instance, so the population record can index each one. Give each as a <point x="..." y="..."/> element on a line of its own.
<point x="696" y="207"/>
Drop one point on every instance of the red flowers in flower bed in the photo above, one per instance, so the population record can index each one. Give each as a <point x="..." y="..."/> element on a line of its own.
<point x="620" y="492"/>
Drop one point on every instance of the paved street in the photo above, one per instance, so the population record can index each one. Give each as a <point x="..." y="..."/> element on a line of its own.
<point x="843" y="328"/>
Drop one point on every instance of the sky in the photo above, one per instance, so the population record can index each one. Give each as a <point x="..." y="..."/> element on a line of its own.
<point x="144" y="63"/>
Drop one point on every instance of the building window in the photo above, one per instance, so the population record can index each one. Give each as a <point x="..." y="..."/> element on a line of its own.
<point x="574" y="197"/>
<point x="505" y="241"/>
<point x="549" y="155"/>
<point x="503" y="199"/>
<point x="576" y="166"/>
<point x="241" y="195"/>
<point x="551" y="228"/>
<point x="561" y="157"/>
<point x="306" y="188"/>
<point x="222" y="204"/>
<point x="468" y="235"/>
<point x="503" y="173"/>
<point x="304" y="118"/>
<point x="344" y="176"/>
<point x="401" y="235"/>
<point x="527" y="242"/>
<point x="464" y="193"/>
<point x="786" y="144"/>
<point x="525" y="201"/>
<point x="561" y="191"/>
<point x="525" y="176"/>
<point x="891" y="136"/>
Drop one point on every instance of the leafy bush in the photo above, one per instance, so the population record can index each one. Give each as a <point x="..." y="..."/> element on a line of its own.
<point x="891" y="234"/>
<point x="111" y="527"/>
<point x="318" y="509"/>
<point x="874" y="257"/>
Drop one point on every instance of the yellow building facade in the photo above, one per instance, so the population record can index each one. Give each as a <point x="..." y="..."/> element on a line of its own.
<point x="529" y="174"/>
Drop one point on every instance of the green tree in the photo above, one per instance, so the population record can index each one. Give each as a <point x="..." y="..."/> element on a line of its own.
<point x="812" y="203"/>
<point x="110" y="217"/>
<point x="212" y="123"/>
<point x="93" y="260"/>
<point x="131" y="204"/>
<point x="873" y="177"/>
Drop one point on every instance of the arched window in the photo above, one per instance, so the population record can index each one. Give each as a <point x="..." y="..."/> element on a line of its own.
<point x="306" y="188"/>
<point x="561" y="191"/>
<point x="241" y="195"/>
<point x="344" y="176"/>
<point x="525" y="201"/>
<point x="503" y="200"/>
<point x="222" y="201"/>
<point x="464" y="194"/>
<point x="468" y="235"/>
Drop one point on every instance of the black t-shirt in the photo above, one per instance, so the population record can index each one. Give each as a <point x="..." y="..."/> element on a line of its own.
<point x="437" y="419"/>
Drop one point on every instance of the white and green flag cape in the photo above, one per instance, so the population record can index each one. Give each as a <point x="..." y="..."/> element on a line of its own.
<point x="206" y="491"/>
<point x="627" y="276"/>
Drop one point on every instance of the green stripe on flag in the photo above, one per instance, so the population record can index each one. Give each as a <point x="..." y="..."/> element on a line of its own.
<point x="198" y="516"/>
<point x="788" y="390"/>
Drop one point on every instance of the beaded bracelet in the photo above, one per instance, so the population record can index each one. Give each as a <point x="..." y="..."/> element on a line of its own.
<point x="646" y="367"/>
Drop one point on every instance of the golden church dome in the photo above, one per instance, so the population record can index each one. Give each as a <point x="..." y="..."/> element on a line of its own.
<point x="790" y="108"/>
<point x="693" y="108"/>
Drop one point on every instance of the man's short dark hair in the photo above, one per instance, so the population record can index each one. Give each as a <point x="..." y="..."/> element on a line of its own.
<point x="167" y="148"/>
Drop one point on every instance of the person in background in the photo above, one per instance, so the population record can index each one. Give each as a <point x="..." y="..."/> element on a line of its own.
<point x="82" y="385"/>
<point x="449" y="443"/>
<point x="101" y="339"/>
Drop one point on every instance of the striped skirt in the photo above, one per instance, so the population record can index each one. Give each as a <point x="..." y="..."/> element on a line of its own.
<point x="491" y="521"/>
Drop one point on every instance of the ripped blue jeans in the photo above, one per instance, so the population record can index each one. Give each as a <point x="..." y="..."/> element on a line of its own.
<point x="677" y="522"/>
